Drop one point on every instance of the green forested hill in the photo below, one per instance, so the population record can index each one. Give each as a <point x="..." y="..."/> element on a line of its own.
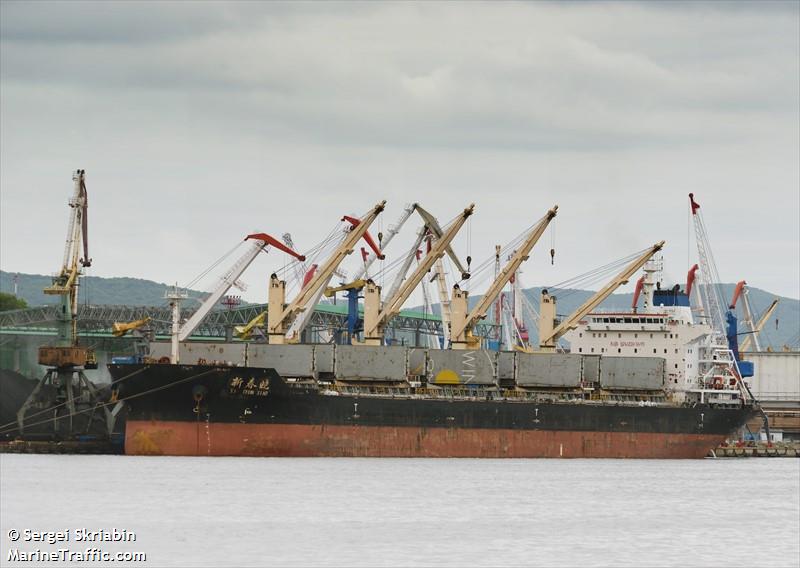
<point x="93" y="290"/>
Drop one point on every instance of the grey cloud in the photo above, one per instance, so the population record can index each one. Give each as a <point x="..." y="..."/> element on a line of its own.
<point x="315" y="107"/>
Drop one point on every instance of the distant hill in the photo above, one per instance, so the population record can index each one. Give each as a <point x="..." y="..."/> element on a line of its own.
<point x="93" y="290"/>
<point x="787" y="314"/>
<point x="138" y="292"/>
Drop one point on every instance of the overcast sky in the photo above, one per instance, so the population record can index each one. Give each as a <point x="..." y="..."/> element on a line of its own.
<point x="199" y="122"/>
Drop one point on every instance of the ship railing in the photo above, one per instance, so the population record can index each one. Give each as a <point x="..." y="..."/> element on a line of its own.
<point x="457" y="392"/>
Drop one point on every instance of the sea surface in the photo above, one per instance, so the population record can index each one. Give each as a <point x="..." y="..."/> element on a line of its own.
<point x="410" y="512"/>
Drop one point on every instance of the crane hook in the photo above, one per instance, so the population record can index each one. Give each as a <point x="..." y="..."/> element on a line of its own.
<point x="552" y="256"/>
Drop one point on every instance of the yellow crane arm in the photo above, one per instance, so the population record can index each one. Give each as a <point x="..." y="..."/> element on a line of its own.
<point x="549" y="336"/>
<point x="760" y="325"/>
<point x="460" y="329"/>
<point x="373" y="326"/>
<point x="355" y="284"/>
<point x="278" y="322"/>
<point x="119" y="329"/>
<point x="244" y="331"/>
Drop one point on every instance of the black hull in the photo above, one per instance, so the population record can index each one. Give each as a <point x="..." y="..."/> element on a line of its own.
<point x="255" y="412"/>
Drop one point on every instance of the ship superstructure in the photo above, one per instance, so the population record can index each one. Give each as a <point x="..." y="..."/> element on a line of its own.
<point x="663" y="326"/>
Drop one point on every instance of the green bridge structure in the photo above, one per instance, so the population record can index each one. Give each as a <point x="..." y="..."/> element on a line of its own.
<point x="23" y="331"/>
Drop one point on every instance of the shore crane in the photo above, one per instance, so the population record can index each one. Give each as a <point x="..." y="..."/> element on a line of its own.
<point x="182" y="331"/>
<point x="64" y="387"/>
<point x="743" y="291"/>
<point x="463" y="321"/>
<point x="549" y="333"/>
<point x="707" y="279"/>
<point x="376" y="317"/>
<point x="280" y="316"/>
<point x="756" y="330"/>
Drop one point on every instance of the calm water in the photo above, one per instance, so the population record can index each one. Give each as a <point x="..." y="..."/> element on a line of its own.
<point x="436" y="512"/>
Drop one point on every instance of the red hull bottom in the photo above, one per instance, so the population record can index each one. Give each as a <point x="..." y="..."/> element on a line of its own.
<point x="291" y="440"/>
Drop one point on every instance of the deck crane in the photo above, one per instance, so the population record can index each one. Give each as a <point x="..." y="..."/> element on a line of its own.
<point x="353" y="289"/>
<point x="742" y="291"/>
<point x="302" y="273"/>
<point x="64" y="387"/>
<point x="463" y="322"/>
<point x="181" y="332"/>
<point x="430" y="231"/>
<point x="304" y="318"/>
<point x="444" y="301"/>
<point x="280" y="316"/>
<point x="549" y="333"/>
<point x="429" y="228"/>
<point x="427" y="233"/>
<point x="375" y="316"/>
<point x="385" y="240"/>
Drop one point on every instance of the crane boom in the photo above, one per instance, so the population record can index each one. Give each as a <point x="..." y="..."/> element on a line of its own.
<point x="463" y="323"/>
<point x="279" y="317"/>
<point x="444" y="302"/>
<point x="375" y="320"/>
<point x="709" y="277"/>
<point x="430" y="227"/>
<point x="65" y="284"/>
<point x="549" y="336"/>
<point x="759" y="326"/>
<point x="433" y="224"/>
<point x="260" y="242"/>
<point x="390" y="234"/>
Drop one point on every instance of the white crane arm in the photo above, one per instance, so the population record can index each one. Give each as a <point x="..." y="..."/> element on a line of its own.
<point x="390" y="234"/>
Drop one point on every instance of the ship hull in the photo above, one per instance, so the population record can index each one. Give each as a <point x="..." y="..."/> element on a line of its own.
<point x="297" y="440"/>
<point x="198" y="411"/>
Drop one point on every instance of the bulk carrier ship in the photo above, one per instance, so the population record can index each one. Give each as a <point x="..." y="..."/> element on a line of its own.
<point x="373" y="399"/>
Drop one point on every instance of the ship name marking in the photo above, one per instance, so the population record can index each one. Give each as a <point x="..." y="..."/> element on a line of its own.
<point x="252" y="387"/>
